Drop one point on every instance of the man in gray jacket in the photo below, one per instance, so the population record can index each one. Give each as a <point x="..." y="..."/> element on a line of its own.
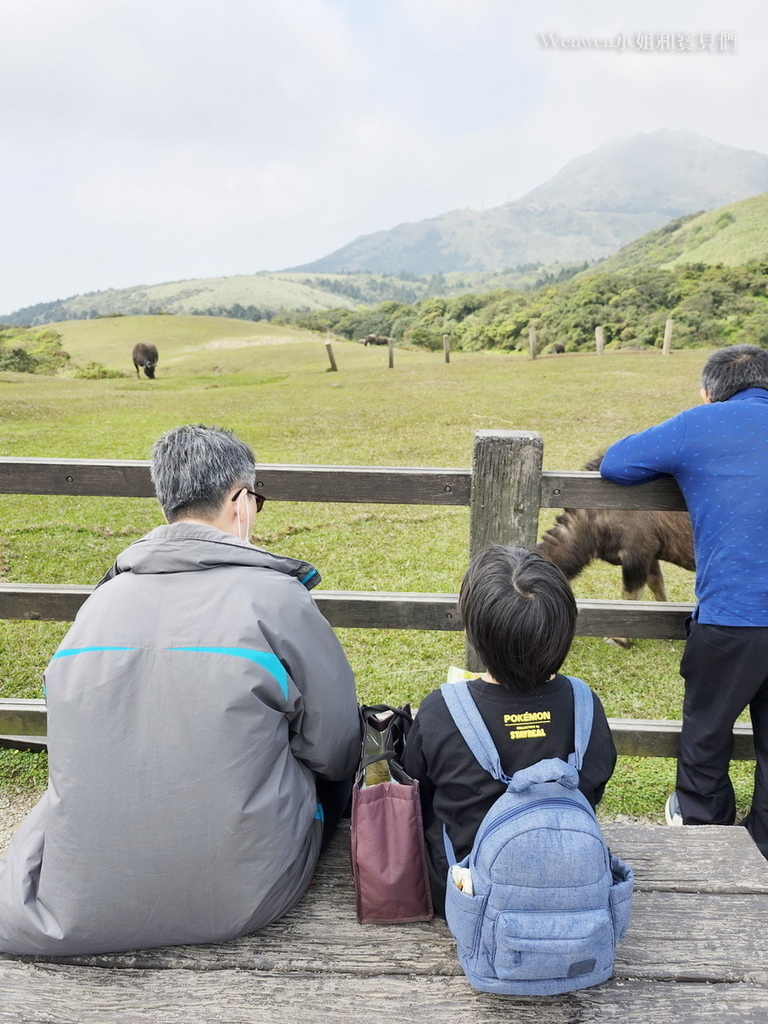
<point x="200" y="713"/>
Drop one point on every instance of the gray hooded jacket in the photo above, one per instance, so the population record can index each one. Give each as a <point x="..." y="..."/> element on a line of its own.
<point x="190" y="706"/>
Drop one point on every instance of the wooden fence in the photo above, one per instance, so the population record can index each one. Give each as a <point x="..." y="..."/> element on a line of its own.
<point x="505" y="488"/>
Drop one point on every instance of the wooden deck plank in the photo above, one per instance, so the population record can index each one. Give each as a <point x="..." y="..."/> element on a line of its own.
<point x="52" y="994"/>
<point x="708" y="927"/>
<point x="698" y="918"/>
<point x="673" y="937"/>
<point x="692" y="859"/>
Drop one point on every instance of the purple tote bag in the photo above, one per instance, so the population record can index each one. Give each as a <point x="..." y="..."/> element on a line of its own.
<point x="387" y="836"/>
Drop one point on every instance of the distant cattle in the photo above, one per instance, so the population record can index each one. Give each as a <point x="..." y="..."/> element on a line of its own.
<point x="146" y="356"/>
<point x="374" y="339"/>
<point x="557" y="348"/>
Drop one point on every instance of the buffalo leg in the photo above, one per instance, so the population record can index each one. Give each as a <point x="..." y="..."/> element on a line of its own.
<point x="656" y="581"/>
<point x="633" y="579"/>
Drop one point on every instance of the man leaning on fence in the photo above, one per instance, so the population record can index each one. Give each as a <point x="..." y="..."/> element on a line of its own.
<point x="202" y="732"/>
<point x="718" y="453"/>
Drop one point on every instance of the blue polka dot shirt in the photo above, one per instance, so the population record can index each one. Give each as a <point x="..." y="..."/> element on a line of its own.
<point x="718" y="453"/>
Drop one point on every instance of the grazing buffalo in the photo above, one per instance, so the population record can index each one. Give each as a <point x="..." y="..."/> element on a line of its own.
<point x="374" y="339"/>
<point x="634" y="539"/>
<point x="146" y="356"/>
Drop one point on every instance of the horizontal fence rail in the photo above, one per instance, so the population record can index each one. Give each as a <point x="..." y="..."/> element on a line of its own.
<point x="23" y="725"/>
<point x="360" y="484"/>
<point x="130" y="479"/>
<point x="365" y="609"/>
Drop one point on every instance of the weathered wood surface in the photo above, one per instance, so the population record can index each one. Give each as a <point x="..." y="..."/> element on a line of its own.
<point x="362" y="609"/>
<point x="130" y="478"/>
<point x="397" y="485"/>
<point x="643" y="737"/>
<point x="23" y="716"/>
<point x="700" y="859"/>
<point x="49" y="994"/>
<point x="506" y="480"/>
<point x="698" y="918"/>
<point x="580" y="489"/>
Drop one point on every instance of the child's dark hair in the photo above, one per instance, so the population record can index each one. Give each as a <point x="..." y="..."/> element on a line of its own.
<point x="519" y="614"/>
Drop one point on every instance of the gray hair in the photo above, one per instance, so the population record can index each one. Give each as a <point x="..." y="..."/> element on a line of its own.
<point x="195" y="467"/>
<point x="734" y="369"/>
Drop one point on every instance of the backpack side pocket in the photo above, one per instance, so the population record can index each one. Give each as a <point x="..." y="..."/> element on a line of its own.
<point x="464" y="915"/>
<point x="620" y="896"/>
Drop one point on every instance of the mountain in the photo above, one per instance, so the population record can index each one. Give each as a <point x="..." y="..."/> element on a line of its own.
<point x="732" y="235"/>
<point x="594" y="206"/>
<point x="591" y="208"/>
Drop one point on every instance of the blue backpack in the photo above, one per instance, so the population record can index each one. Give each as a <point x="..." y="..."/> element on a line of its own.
<point x="549" y="902"/>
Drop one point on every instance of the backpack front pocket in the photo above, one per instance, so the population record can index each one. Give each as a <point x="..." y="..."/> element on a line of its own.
<point x="536" y="946"/>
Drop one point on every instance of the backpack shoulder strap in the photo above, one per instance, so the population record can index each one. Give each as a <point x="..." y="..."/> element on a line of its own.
<point x="470" y="724"/>
<point x="583" y="713"/>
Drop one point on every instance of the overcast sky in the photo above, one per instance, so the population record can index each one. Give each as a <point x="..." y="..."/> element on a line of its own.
<point x="155" y="140"/>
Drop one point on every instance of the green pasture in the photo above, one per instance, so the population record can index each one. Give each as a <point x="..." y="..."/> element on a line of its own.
<point x="273" y="386"/>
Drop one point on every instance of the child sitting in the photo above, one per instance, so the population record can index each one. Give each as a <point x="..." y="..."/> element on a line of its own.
<point x="519" y="614"/>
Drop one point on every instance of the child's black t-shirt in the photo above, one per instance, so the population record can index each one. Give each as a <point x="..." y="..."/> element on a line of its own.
<point x="525" y="729"/>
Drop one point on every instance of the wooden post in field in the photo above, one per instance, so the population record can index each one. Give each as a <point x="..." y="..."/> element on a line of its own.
<point x="447" y="347"/>
<point x="599" y="340"/>
<point x="329" y="350"/>
<point x="667" y="337"/>
<point x="532" y="340"/>
<point x="391" y="348"/>
<point x="506" y="494"/>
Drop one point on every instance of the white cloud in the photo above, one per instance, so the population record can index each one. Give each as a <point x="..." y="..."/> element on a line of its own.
<point x="147" y="141"/>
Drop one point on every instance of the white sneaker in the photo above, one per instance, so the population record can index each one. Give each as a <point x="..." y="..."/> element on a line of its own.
<point x="672" y="811"/>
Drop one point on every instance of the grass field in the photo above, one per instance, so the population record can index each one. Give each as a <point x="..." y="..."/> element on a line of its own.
<point x="273" y="387"/>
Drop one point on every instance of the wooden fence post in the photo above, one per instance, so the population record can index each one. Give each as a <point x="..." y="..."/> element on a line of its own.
<point x="532" y="340"/>
<point x="506" y="494"/>
<point x="329" y="350"/>
<point x="391" y="349"/>
<point x="599" y="340"/>
<point x="447" y="347"/>
<point x="667" y="337"/>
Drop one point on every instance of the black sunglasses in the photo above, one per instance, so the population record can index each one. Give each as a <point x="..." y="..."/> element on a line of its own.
<point x="258" y="498"/>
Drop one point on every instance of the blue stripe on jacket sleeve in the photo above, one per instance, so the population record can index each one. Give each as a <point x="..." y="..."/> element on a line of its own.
<point x="266" y="659"/>
<point x="68" y="652"/>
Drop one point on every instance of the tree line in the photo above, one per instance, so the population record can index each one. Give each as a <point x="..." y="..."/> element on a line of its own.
<point x="711" y="305"/>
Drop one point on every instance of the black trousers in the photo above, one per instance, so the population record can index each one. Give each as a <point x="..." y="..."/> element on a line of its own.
<point x="725" y="669"/>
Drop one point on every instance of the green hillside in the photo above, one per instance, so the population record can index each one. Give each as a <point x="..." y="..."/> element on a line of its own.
<point x="245" y="296"/>
<point x="732" y="235"/>
<point x="255" y="297"/>
<point x="110" y="340"/>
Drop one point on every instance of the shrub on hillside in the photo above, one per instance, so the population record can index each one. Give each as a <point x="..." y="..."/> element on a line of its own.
<point x="95" y="371"/>
<point x="30" y="350"/>
<point x="18" y="360"/>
